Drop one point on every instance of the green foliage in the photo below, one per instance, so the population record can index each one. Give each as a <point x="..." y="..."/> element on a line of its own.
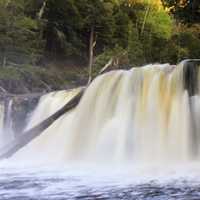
<point x="19" y="34"/>
<point x="184" y="44"/>
<point x="160" y="23"/>
<point x="135" y="47"/>
<point x="9" y="73"/>
<point x="184" y="10"/>
<point x="102" y="59"/>
<point x="31" y="30"/>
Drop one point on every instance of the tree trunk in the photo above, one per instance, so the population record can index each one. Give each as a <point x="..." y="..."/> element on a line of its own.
<point x="91" y="53"/>
<point x="41" y="11"/>
<point x="145" y="18"/>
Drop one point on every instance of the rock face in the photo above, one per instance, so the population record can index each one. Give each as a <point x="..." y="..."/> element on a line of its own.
<point x="24" y="85"/>
<point x="17" y="109"/>
<point x="26" y="136"/>
<point x="21" y="111"/>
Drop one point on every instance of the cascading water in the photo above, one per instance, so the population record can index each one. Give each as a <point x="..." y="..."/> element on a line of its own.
<point x="141" y="115"/>
<point x="143" y="122"/>
<point x="49" y="104"/>
<point x="8" y="120"/>
<point x="6" y="131"/>
<point x="1" y="122"/>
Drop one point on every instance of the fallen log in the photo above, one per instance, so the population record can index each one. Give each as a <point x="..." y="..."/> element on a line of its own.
<point x="29" y="135"/>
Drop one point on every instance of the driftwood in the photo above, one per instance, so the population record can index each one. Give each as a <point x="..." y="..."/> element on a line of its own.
<point x="107" y="65"/>
<point x="29" y="135"/>
<point x="113" y="63"/>
<point x="3" y="90"/>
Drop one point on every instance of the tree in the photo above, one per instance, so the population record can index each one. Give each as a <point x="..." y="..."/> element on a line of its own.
<point x="184" y="10"/>
<point x="60" y="30"/>
<point x="19" y="35"/>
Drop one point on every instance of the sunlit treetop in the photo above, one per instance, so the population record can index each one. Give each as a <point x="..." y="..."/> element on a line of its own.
<point x="186" y="11"/>
<point x="156" y="3"/>
<point x="180" y="4"/>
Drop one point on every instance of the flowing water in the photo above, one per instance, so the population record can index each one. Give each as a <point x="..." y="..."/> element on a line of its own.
<point x="134" y="135"/>
<point x="6" y="132"/>
<point x="1" y="122"/>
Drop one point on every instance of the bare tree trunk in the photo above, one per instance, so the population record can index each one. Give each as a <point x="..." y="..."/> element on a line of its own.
<point x="3" y="90"/>
<point x="107" y="65"/>
<point x="145" y="18"/>
<point x="41" y="12"/>
<point x="91" y="53"/>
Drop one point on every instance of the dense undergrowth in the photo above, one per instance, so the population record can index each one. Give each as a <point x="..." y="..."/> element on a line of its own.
<point x="27" y="78"/>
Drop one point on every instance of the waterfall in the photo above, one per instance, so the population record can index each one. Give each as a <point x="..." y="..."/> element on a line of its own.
<point x="8" y="115"/>
<point x="146" y="114"/>
<point x="1" y="122"/>
<point x="6" y="131"/>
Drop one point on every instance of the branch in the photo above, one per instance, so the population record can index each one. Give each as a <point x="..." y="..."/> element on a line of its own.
<point x="145" y="18"/>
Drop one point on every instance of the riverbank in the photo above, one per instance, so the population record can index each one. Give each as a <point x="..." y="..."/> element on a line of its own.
<point x="21" y="87"/>
<point x="24" y="79"/>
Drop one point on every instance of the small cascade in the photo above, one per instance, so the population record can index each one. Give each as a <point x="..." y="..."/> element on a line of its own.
<point x="145" y="115"/>
<point x="49" y="104"/>
<point x="1" y="115"/>
<point x="8" y="115"/>
<point x="6" y="129"/>
<point x="1" y="122"/>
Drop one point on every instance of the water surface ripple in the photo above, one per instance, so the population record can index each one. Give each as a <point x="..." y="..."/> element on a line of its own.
<point x="75" y="184"/>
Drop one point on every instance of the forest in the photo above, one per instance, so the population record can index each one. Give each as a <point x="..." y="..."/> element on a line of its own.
<point x="54" y="41"/>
